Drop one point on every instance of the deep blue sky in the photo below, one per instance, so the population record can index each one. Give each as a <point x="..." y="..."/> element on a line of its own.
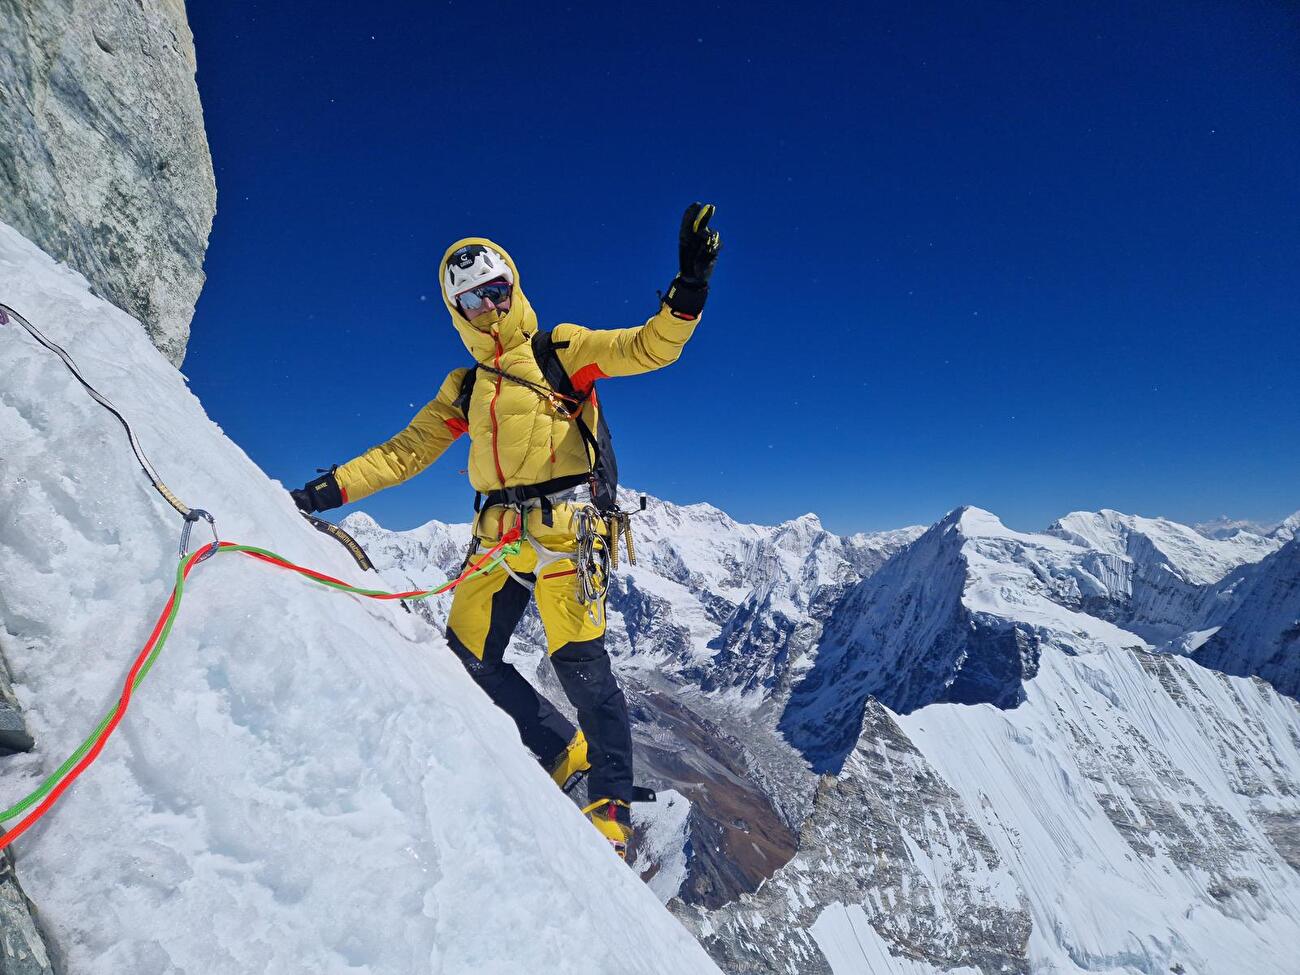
<point x="1035" y="257"/>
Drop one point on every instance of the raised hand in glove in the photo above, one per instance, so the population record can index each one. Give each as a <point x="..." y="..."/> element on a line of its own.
<point x="698" y="244"/>
<point x="319" y="495"/>
<point x="697" y="253"/>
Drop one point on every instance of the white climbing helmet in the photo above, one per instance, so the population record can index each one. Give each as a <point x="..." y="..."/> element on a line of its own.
<point x="472" y="265"/>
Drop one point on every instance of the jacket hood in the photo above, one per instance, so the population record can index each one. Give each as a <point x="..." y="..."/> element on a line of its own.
<point x="482" y="334"/>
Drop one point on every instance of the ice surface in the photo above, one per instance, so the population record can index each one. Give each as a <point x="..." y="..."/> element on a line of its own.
<point x="1142" y="826"/>
<point x="307" y="782"/>
<point x="852" y="947"/>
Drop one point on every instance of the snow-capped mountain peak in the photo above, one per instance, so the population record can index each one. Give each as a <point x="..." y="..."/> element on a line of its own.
<point x="1288" y="528"/>
<point x="1185" y="552"/>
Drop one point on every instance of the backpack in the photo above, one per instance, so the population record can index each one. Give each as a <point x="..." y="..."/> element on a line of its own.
<point x="603" y="477"/>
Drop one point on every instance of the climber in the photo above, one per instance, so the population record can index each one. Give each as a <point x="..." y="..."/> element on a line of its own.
<point x="541" y="458"/>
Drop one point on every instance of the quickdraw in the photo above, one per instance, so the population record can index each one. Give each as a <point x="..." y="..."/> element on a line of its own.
<point x="591" y="561"/>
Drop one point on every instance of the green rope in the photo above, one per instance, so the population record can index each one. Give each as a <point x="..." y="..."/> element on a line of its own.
<point x="44" y="789"/>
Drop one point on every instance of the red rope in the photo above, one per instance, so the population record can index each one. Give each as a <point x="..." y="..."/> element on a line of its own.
<point x="123" y="703"/>
<point x="469" y="570"/>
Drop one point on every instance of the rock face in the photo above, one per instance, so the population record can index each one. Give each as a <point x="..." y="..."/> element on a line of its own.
<point x="103" y="159"/>
<point x="13" y="731"/>
<point x="889" y="836"/>
<point x="22" y="947"/>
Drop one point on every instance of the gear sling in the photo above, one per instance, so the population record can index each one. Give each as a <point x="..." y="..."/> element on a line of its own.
<point x="570" y="598"/>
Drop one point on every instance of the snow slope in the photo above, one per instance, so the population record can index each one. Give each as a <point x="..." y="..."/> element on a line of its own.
<point x="307" y="782"/>
<point x="1136" y="813"/>
<point x="1143" y="805"/>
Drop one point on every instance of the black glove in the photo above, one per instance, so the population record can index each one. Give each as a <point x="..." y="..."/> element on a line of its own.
<point x="697" y="245"/>
<point x="697" y="253"/>
<point x="318" y="495"/>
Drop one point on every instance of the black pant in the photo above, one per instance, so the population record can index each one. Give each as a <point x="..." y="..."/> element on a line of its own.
<point x="585" y="674"/>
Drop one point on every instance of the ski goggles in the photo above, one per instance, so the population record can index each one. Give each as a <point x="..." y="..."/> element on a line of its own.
<point x="494" y="291"/>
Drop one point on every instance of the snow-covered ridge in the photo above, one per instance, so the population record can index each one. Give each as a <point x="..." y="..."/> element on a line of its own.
<point x="1225" y="527"/>
<point x="962" y="614"/>
<point x="734" y="606"/>
<point x="1189" y="554"/>
<point x="1135" y="814"/>
<point x="1057" y="796"/>
<point x="307" y="781"/>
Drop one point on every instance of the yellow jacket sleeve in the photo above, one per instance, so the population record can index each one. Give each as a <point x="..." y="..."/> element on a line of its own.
<point x="592" y="354"/>
<point x="422" y="442"/>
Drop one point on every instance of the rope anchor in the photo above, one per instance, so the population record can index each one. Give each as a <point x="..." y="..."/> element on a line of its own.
<point x="191" y="517"/>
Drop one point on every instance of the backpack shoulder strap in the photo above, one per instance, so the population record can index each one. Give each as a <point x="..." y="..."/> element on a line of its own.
<point x="461" y="402"/>
<point x="548" y="360"/>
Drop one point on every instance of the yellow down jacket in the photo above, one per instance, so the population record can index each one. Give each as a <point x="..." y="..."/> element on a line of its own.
<point x="517" y="437"/>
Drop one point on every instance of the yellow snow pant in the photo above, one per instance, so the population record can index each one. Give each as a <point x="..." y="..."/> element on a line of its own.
<point x="484" y="613"/>
<point x="563" y="617"/>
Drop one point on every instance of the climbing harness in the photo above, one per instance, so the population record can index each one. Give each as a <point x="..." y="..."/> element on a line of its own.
<point x="590" y="556"/>
<point x="54" y="786"/>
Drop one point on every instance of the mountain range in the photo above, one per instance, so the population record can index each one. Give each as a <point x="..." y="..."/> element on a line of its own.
<point x="955" y="748"/>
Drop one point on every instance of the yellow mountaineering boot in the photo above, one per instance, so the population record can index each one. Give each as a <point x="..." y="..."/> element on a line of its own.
<point x="614" y="821"/>
<point x="572" y="764"/>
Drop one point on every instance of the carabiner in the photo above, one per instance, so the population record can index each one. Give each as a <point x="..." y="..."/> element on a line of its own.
<point x="191" y="517"/>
